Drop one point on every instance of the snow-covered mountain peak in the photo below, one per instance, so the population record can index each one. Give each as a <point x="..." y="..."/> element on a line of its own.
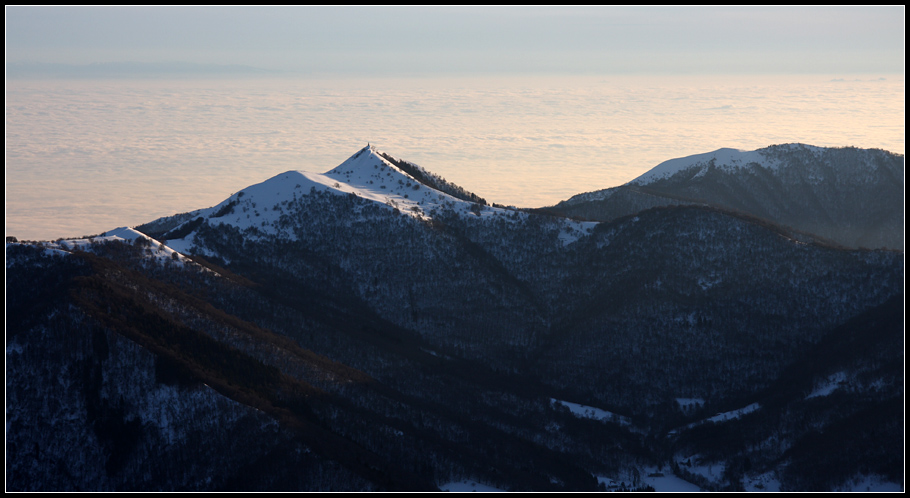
<point x="367" y="167"/>
<point x="367" y="174"/>
<point x="375" y="175"/>
<point x="367" y="157"/>
<point x="269" y="209"/>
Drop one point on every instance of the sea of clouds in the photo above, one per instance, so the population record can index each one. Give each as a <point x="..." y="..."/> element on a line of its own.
<point x="83" y="156"/>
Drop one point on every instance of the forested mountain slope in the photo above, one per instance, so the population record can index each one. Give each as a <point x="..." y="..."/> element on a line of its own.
<point x="362" y="330"/>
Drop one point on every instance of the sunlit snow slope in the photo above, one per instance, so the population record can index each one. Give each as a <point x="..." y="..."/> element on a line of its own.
<point x="367" y="174"/>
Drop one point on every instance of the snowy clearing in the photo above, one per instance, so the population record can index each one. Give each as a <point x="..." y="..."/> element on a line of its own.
<point x="584" y="411"/>
<point x="829" y="385"/>
<point x="687" y="404"/>
<point x="725" y="416"/>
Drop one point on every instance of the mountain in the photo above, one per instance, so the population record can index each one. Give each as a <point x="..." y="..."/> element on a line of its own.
<point x="376" y="327"/>
<point x="853" y="197"/>
<point x="388" y="183"/>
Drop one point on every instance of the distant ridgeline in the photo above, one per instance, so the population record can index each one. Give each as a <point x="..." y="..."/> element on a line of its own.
<point x="851" y="196"/>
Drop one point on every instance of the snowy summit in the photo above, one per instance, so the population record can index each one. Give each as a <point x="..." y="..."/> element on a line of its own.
<point x="369" y="174"/>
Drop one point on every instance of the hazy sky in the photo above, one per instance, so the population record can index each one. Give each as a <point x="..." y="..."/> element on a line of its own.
<point x="406" y="41"/>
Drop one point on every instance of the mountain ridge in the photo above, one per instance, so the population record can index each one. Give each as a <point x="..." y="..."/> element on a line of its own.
<point x="368" y="174"/>
<point x="444" y="344"/>
<point x="851" y="196"/>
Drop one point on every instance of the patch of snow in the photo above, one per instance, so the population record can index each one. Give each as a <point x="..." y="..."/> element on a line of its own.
<point x="766" y="482"/>
<point x="124" y="233"/>
<point x="159" y="251"/>
<point x="665" y="481"/>
<point x="183" y="245"/>
<point x="584" y="411"/>
<point x="712" y="471"/>
<point x="734" y="414"/>
<point x="687" y="404"/>
<point x="725" y="416"/>
<point x="829" y="385"/>
<point x="156" y="251"/>
<point x="669" y="483"/>
<point x="50" y="251"/>
<point x="871" y="483"/>
<point x="575" y="230"/>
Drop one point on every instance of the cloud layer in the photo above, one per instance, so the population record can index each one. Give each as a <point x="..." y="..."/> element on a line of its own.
<point x="86" y="156"/>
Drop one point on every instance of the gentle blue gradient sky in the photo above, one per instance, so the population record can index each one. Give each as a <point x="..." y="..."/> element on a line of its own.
<point x="413" y="41"/>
